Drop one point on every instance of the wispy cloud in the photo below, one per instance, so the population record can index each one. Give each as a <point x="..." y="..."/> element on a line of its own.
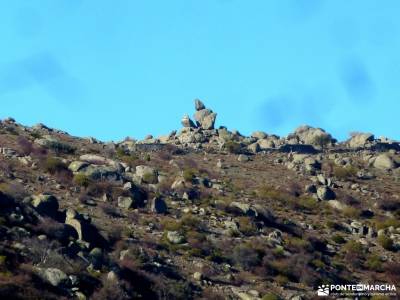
<point x="42" y="70"/>
<point x="357" y="80"/>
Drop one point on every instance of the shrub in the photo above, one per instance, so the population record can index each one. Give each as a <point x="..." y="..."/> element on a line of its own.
<point x="390" y="204"/>
<point x="297" y="244"/>
<point x="60" y="147"/>
<point x="24" y="145"/>
<point x="344" y="173"/>
<point x="322" y="140"/>
<point x="150" y="177"/>
<point x="246" y="226"/>
<point x="171" y="225"/>
<point x="338" y="239"/>
<point x="383" y="224"/>
<point x="306" y="203"/>
<point x="82" y="180"/>
<point x="385" y="242"/>
<point x="351" y="212"/>
<point x="232" y="147"/>
<point x="270" y="193"/>
<point x="270" y="297"/>
<point x="129" y="158"/>
<point x="354" y="247"/>
<point x="189" y="174"/>
<point x="374" y="263"/>
<point x="245" y="256"/>
<point x="54" y="165"/>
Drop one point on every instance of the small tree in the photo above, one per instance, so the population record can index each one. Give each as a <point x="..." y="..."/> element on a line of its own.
<point x="322" y="140"/>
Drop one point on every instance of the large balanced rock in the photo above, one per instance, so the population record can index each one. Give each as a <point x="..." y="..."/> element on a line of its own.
<point x="384" y="162"/>
<point x="204" y="117"/>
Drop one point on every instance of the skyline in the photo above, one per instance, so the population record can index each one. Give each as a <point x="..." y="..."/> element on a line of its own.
<point x="92" y="68"/>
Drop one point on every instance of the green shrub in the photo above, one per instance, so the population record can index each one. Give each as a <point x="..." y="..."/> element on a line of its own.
<point x="383" y="224"/>
<point x="385" y="242"/>
<point x="189" y="174"/>
<point x="232" y="147"/>
<point x="54" y="165"/>
<point x="351" y="212"/>
<point x="338" y="239"/>
<point x="353" y="247"/>
<point x="344" y="173"/>
<point x="171" y="225"/>
<point x="150" y="178"/>
<point x="60" y="147"/>
<point x="245" y="256"/>
<point x="306" y="203"/>
<point x="246" y="226"/>
<point x="374" y="263"/>
<point x="270" y="297"/>
<point x="130" y="159"/>
<point x="82" y="180"/>
<point x="322" y="140"/>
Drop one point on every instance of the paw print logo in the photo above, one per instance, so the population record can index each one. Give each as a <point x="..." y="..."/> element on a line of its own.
<point x="323" y="290"/>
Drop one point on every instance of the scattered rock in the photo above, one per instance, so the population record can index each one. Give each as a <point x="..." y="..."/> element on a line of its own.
<point x="158" y="205"/>
<point x="175" y="237"/>
<point x="325" y="193"/>
<point x="384" y="162"/>
<point x="53" y="276"/>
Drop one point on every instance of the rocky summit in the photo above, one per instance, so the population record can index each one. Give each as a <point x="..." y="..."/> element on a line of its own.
<point x="203" y="212"/>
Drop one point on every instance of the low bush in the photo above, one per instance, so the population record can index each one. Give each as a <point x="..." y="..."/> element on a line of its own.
<point x="386" y="242"/>
<point x="245" y="256"/>
<point x="54" y="165"/>
<point x="189" y="174"/>
<point x="270" y="297"/>
<point x="374" y="263"/>
<point x="344" y="173"/>
<point x="338" y="239"/>
<point x="81" y="180"/>
<point x="385" y="223"/>
<point x="246" y="225"/>
<point x="233" y="147"/>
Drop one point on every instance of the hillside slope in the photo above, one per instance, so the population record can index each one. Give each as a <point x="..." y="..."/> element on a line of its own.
<point x="202" y="213"/>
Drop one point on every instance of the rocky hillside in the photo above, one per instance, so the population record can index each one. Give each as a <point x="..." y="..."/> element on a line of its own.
<point x="202" y="213"/>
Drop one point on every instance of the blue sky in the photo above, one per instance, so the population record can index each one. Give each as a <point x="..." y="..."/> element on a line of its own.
<point x="112" y="69"/>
